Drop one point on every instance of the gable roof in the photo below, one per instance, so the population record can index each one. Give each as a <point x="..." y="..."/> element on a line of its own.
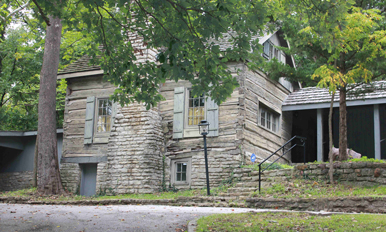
<point x="80" y="67"/>
<point x="316" y="98"/>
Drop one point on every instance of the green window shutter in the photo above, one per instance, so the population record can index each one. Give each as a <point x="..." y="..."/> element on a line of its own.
<point x="212" y="117"/>
<point x="89" y="124"/>
<point x="178" y="118"/>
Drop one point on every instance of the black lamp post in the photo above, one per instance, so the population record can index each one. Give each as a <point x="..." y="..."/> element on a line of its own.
<point x="203" y="128"/>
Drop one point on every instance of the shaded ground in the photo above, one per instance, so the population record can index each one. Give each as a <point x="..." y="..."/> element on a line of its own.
<point x="15" y="217"/>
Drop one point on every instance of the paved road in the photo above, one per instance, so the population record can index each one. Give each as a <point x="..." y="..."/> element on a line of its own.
<point x="14" y="217"/>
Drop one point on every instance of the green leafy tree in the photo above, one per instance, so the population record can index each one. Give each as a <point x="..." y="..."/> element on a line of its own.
<point x="340" y="45"/>
<point x="186" y="35"/>
<point x="21" y="57"/>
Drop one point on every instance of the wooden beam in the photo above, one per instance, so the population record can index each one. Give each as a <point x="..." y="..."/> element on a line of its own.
<point x="319" y="139"/>
<point x="377" y="133"/>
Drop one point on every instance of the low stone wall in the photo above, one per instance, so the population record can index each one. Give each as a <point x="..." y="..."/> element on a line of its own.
<point x="11" y="181"/>
<point x="350" y="205"/>
<point x="248" y="177"/>
<point x="362" y="173"/>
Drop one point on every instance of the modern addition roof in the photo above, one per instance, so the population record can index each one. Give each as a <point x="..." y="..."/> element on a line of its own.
<point x="316" y="98"/>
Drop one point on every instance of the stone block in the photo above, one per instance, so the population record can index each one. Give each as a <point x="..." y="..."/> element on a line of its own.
<point x="346" y="165"/>
<point x="358" y="165"/>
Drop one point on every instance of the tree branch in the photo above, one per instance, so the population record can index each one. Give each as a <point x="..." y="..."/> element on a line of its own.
<point x="42" y="13"/>
<point x="151" y="15"/>
<point x="103" y="30"/>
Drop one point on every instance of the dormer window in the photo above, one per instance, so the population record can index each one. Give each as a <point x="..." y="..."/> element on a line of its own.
<point x="271" y="52"/>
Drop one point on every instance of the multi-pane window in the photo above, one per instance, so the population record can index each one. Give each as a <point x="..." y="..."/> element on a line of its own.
<point x="271" y="52"/>
<point x="104" y="113"/>
<point x="181" y="171"/>
<point x="268" y="119"/>
<point x="196" y="109"/>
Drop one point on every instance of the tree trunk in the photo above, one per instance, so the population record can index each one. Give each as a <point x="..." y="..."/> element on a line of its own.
<point x="330" y="139"/>
<point x="342" y="125"/>
<point x="49" y="181"/>
<point x="35" y="172"/>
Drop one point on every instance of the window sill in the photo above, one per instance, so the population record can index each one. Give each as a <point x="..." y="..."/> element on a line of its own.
<point x="271" y="131"/>
<point x="191" y="133"/>
<point x="181" y="184"/>
<point x="104" y="139"/>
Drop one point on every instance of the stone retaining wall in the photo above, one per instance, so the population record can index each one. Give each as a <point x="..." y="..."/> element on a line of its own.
<point x="362" y="173"/>
<point x="10" y="181"/>
<point x="352" y="204"/>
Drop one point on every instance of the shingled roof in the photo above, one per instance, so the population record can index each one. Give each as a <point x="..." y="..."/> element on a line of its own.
<point x="81" y="65"/>
<point x="314" y="97"/>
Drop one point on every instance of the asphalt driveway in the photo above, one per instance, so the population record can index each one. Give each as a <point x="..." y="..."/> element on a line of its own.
<point x="18" y="217"/>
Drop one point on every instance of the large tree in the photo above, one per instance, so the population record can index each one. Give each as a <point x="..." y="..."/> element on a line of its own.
<point x="49" y="181"/>
<point x="186" y="34"/>
<point x="339" y="45"/>
<point x="21" y="56"/>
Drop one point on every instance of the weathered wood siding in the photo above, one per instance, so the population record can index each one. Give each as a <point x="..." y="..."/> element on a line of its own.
<point x="224" y="151"/>
<point x="257" y="139"/>
<point x="78" y="89"/>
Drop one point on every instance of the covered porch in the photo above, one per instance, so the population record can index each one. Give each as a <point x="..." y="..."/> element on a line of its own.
<point x="366" y="121"/>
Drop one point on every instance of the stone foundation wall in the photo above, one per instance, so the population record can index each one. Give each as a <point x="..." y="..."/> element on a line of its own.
<point x="220" y="166"/>
<point x="134" y="160"/>
<point x="10" y="181"/>
<point x="70" y="174"/>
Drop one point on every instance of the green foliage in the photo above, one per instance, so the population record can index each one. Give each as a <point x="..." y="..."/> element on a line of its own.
<point x="184" y="34"/>
<point x="275" y="166"/>
<point x="290" y="222"/>
<point x="334" y="43"/>
<point x="21" y="54"/>
<point x="365" y="159"/>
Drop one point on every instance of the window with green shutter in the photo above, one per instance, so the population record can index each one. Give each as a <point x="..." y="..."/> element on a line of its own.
<point x="100" y="113"/>
<point x="189" y="110"/>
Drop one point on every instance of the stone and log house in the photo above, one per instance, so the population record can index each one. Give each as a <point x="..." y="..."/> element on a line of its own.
<point x="112" y="149"/>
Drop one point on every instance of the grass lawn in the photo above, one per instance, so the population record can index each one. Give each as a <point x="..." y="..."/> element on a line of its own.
<point x="319" y="189"/>
<point x="33" y="195"/>
<point x="294" y="189"/>
<point x="291" y="222"/>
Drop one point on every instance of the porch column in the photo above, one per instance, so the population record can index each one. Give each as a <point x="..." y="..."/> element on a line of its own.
<point x="319" y="136"/>
<point x="377" y="133"/>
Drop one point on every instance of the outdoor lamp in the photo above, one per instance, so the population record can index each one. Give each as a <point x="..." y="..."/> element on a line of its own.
<point x="203" y="129"/>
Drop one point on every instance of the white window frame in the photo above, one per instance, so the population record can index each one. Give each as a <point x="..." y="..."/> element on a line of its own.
<point x="273" y="52"/>
<point x="173" y="172"/>
<point x="270" y="116"/>
<point x="191" y="130"/>
<point x="101" y="137"/>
